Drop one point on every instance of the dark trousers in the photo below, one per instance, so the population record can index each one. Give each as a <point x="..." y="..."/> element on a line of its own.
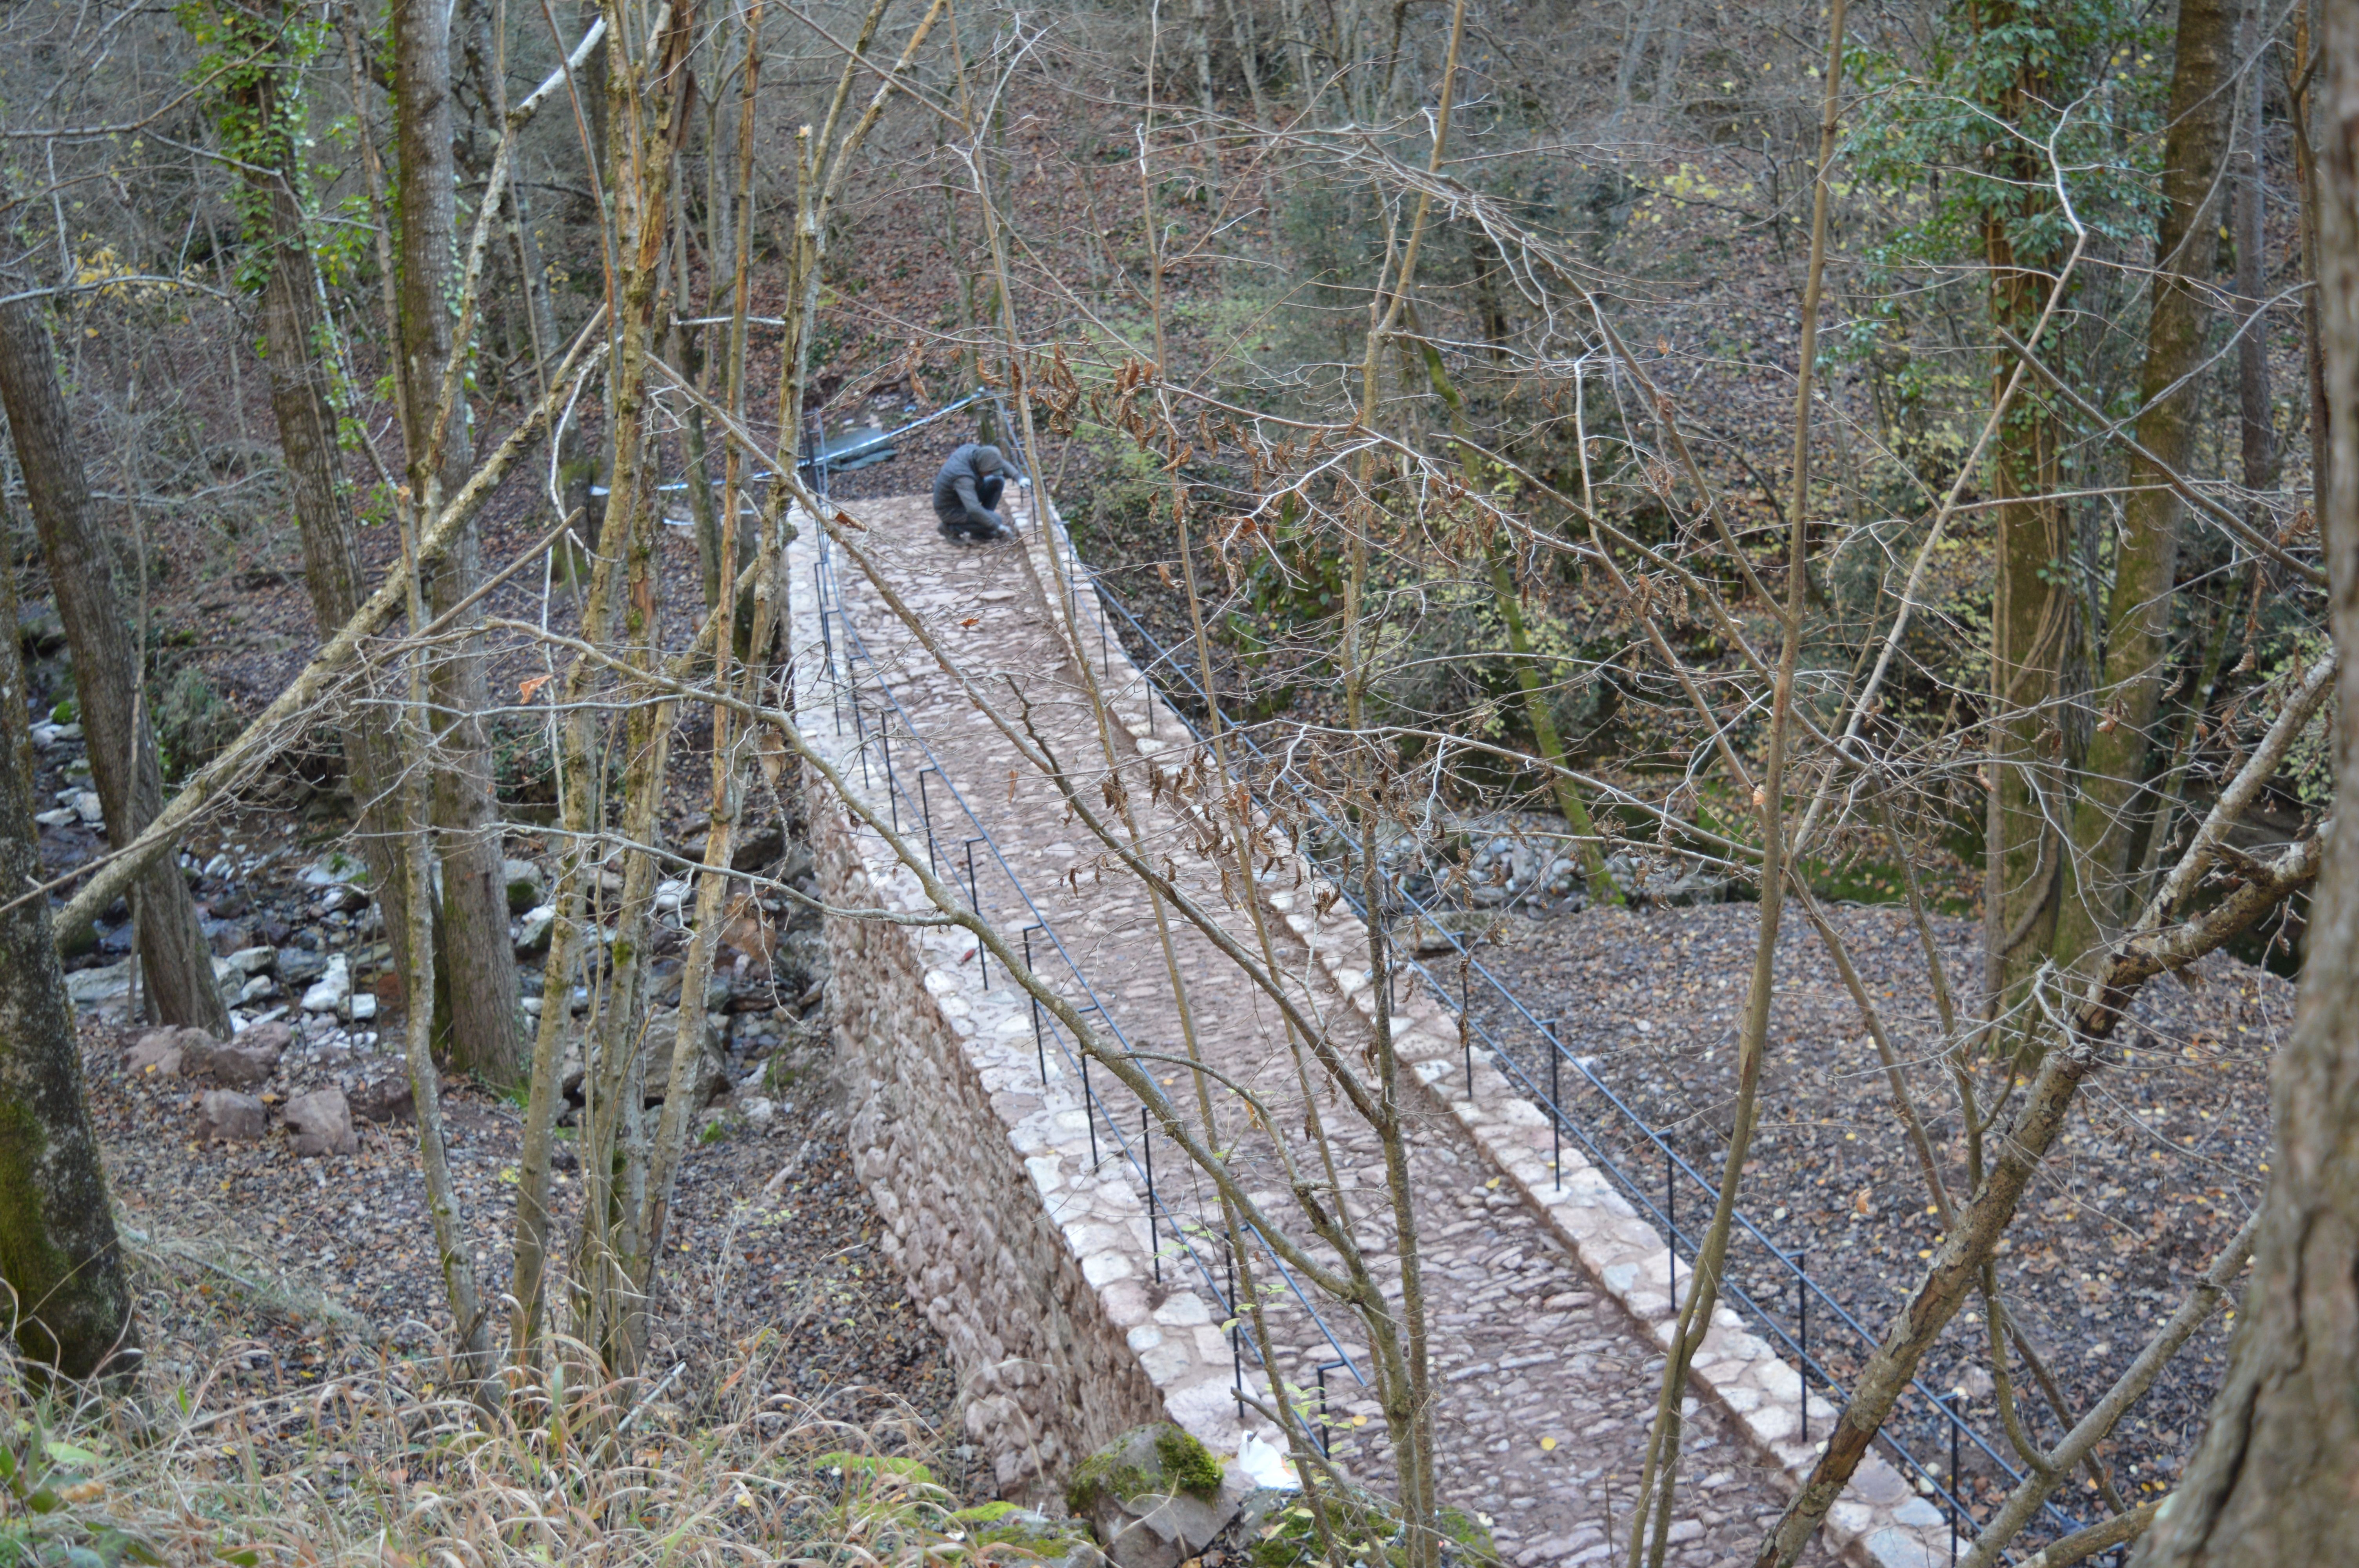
<point x="987" y="492"/>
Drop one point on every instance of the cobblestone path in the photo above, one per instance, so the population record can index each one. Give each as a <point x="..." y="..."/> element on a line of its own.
<point x="1545" y="1386"/>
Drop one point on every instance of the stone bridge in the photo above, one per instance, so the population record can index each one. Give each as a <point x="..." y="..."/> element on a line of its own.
<point x="1016" y="1187"/>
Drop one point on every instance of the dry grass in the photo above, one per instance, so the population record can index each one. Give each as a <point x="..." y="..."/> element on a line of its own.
<point x="267" y="1432"/>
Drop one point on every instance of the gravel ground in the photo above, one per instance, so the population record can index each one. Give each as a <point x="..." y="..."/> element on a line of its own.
<point x="769" y="1261"/>
<point x="2166" y="1154"/>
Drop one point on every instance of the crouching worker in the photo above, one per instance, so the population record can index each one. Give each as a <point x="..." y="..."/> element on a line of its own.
<point x="966" y="496"/>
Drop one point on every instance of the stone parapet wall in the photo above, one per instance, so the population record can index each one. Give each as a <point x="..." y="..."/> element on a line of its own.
<point x="1031" y="1260"/>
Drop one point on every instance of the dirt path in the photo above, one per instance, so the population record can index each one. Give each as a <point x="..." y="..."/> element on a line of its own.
<point x="1545" y="1386"/>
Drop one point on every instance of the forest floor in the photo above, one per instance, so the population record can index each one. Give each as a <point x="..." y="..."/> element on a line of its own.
<point x="312" y="1267"/>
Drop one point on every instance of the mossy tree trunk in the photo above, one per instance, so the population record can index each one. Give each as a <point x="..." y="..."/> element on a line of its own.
<point x="175" y="965"/>
<point x="261" y="104"/>
<point x="2115" y="796"/>
<point x="59" y="1256"/>
<point x="2271" y="1484"/>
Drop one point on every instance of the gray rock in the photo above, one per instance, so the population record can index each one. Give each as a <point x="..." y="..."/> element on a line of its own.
<point x="254" y="961"/>
<point x="87" y="807"/>
<point x="258" y="988"/>
<point x="710" y="1080"/>
<point x="525" y="883"/>
<point x="302" y="966"/>
<point x="532" y="934"/>
<point x="802" y="961"/>
<point x="1154" y="1497"/>
<point x="91" y="988"/>
<point x="335" y="869"/>
<point x="227" y="1114"/>
<point x="322" y="1123"/>
<point x="363" y="1006"/>
<point x="331" y="990"/>
<point x="58" y="817"/>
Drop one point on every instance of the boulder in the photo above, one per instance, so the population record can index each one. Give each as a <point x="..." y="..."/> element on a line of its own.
<point x="802" y="961"/>
<point x="1154" y="1497"/>
<point x="227" y="1114"/>
<point x="156" y="1052"/>
<point x="710" y="1077"/>
<point x="94" y="987"/>
<point x="332" y="989"/>
<point x="532" y="931"/>
<point x="335" y="869"/>
<point x="254" y="961"/>
<point x="384" y="1100"/>
<point x="238" y="1064"/>
<point x="322" y="1123"/>
<point x="272" y="1036"/>
<point x="525" y="882"/>
<point x="299" y="966"/>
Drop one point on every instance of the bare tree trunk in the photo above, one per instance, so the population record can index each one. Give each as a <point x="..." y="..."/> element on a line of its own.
<point x="2271" y="1483"/>
<point x="294" y="330"/>
<point x="647" y="91"/>
<point x="173" y="959"/>
<point x="487" y="1027"/>
<point x="2146" y="561"/>
<point x="60" y="1259"/>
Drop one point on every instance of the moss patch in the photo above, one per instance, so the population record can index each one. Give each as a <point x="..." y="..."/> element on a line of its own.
<point x="1188" y="1462"/>
<point x="1005" y="1524"/>
<point x="1280" y="1532"/>
<point x="1103" y="1473"/>
<point x="1470" y="1535"/>
<point x="875" y="1465"/>
<point x="1145" y="1461"/>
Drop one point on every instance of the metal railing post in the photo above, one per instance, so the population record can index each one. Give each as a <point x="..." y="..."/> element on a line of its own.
<point x="1556" y="1105"/>
<point x="1039" y="1042"/>
<point x="1088" y="1095"/>
<point x="1467" y="1032"/>
<point x="974" y="902"/>
<point x="1672" y="1206"/>
<point x="1957" y="1503"/>
<point x="1236" y="1316"/>
<point x="926" y="809"/>
<point x="1146" y="1147"/>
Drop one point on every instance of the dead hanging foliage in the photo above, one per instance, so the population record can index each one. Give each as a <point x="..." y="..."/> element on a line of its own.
<point x="1056" y="393"/>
